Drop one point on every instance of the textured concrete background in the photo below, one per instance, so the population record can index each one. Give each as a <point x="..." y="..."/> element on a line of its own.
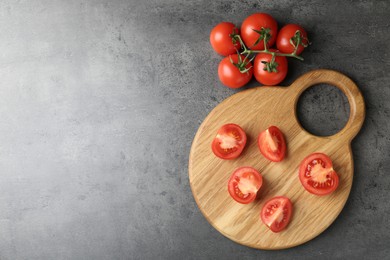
<point x="100" y="101"/>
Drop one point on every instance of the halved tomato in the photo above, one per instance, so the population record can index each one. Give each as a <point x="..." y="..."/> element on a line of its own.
<point x="276" y="213"/>
<point x="317" y="175"/>
<point x="244" y="184"/>
<point x="229" y="142"/>
<point x="272" y="144"/>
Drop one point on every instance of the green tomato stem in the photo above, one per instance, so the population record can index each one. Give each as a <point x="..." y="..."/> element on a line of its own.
<point x="299" y="40"/>
<point x="265" y="42"/>
<point x="248" y="52"/>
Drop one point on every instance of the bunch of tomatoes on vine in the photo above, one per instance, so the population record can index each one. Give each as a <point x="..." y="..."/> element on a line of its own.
<point x="250" y="51"/>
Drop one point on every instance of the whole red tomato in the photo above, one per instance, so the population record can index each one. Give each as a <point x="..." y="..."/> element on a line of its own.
<point x="274" y="74"/>
<point x="236" y="74"/>
<point x="254" y="28"/>
<point x="287" y="34"/>
<point x="221" y="39"/>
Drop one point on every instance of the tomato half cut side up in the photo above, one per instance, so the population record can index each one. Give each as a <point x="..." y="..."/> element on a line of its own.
<point x="244" y="184"/>
<point x="317" y="175"/>
<point x="276" y="213"/>
<point x="272" y="144"/>
<point x="229" y="142"/>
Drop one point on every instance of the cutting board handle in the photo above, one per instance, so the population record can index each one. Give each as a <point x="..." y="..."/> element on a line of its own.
<point x="347" y="86"/>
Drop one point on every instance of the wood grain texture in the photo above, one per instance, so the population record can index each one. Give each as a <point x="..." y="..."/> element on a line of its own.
<point x="255" y="110"/>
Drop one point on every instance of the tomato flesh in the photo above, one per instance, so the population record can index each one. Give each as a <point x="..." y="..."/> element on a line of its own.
<point x="276" y="213"/>
<point x="229" y="142"/>
<point x="317" y="175"/>
<point x="272" y="144"/>
<point x="244" y="184"/>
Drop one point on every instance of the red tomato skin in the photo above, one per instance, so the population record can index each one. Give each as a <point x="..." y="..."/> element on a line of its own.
<point x="285" y="34"/>
<point x="289" y="206"/>
<point x="230" y="75"/>
<point x="223" y="130"/>
<point x="221" y="41"/>
<point x="269" y="78"/>
<point x="302" y="169"/>
<point x="252" y="196"/>
<point x="257" y="21"/>
<point x="275" y="157"/>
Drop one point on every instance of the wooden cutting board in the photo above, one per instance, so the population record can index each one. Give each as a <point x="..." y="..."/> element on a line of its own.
<point x="255" y="110"/>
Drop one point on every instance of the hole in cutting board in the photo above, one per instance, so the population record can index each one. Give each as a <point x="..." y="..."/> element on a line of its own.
<point x="323" y="110"/>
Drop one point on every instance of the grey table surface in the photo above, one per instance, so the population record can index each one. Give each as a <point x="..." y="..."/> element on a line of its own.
<point x="100" y="101"/>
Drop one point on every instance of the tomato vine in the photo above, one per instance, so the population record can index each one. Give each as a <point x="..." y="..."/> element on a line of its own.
<point x="296" y="41"/>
